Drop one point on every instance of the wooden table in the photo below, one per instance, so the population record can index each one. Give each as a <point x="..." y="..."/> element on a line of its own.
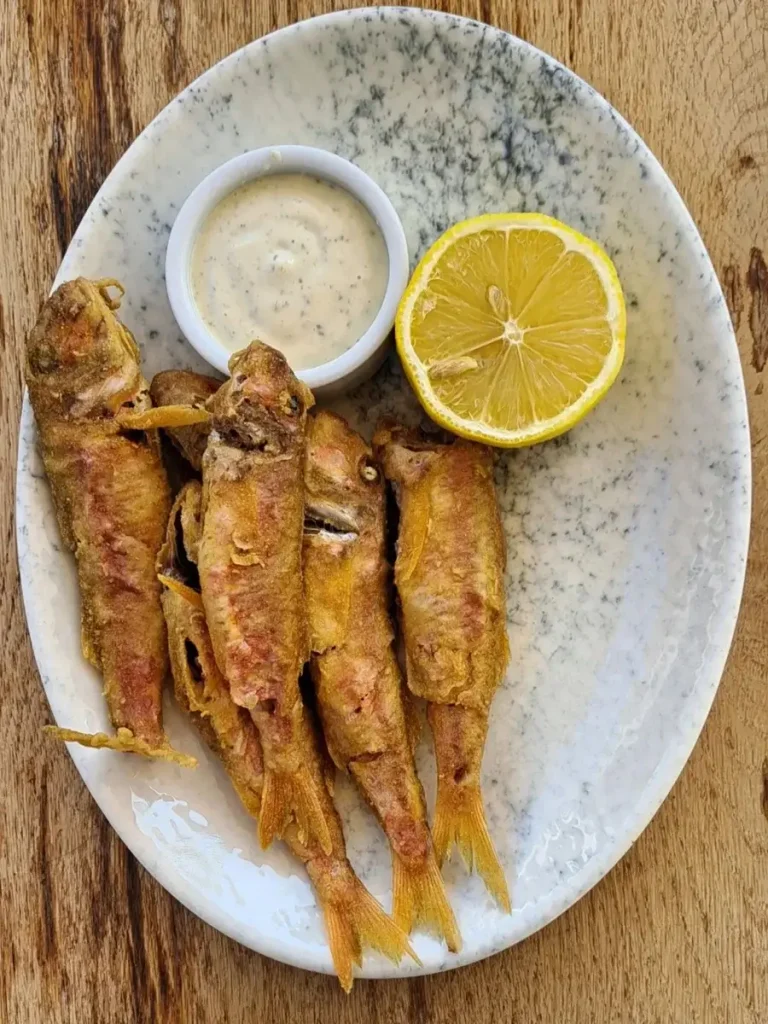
<point x="679" y="930"/>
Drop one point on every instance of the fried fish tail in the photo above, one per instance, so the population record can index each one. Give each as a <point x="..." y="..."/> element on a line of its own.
<point x="419" y="898"/>
<point x="295" y="786"/>
<point x="460" y="820"/>
<point x="390" y="785"/>
<point x="124" y="741"/>
<point x="354" y="919"/>
<point x="289" y="795"/>
<point x="459" y="734"/>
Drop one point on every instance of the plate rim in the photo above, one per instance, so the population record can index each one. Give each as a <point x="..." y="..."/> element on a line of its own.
<point x="676" y="756"/>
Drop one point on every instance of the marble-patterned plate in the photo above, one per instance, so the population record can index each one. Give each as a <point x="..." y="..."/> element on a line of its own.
<point x="627" y="538"/>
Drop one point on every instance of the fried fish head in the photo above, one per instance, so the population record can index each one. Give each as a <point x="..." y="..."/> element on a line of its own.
<point x="344" y="487"/>
<point x="263" y="406"/>
<point x="405" y="453"/>
<point x="82" y="363"/>
<point x="184" y="388"/>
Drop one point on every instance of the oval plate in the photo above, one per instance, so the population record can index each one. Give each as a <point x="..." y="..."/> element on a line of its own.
<point x="627" y="538"/>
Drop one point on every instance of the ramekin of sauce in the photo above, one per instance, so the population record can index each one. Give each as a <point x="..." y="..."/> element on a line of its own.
<point x="294" y="246"/>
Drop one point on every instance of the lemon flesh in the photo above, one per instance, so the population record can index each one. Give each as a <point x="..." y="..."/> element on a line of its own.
<point x="512" y="328"/>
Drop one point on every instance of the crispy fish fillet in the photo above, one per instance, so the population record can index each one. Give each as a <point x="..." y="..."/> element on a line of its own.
<point x="449" y="574"/>
<point x="250" y="565"/>
<point x="354" y="669"/>
<point x="353" y="917"/>
<point x="111" y="497"/>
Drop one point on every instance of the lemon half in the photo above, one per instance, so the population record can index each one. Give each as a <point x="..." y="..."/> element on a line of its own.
<point x="512" y="328"/>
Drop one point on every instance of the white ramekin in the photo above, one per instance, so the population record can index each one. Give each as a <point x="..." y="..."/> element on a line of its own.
<point x="365" y="356"/>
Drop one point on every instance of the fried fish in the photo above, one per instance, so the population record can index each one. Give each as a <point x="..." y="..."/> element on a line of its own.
<point x="250" y="563"/>
<point x="353" y="918"/>
<point x="184" y="388"/>
<point x="111" y="497"/>
<point x="449" y="574"/>
<point x="353" y="665"/>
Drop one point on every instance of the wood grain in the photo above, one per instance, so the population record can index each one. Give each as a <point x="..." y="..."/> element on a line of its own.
<point x="679" y="930"/>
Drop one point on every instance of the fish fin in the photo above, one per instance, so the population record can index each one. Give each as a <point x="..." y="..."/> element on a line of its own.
<point x="293" y="796"/>
<point x="420" y="898"/>
<point x="124" y="740"/>
<point x="165" y="416"/>
<point x="344" y="943"/>
<point x="356" y="921"/>
<point x="275" y="807"/>
<point x="460" y="820"/>
<point x="177" y="587"/>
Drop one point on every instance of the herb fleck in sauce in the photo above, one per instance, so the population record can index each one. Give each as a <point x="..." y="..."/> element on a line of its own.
<point x="293" y="261"/>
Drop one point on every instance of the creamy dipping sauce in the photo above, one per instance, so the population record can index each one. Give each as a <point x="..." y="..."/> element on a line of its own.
<point x="293" y="261"/>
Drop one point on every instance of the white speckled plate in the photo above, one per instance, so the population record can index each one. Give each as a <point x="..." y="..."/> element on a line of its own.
<point x="627" y="538"/>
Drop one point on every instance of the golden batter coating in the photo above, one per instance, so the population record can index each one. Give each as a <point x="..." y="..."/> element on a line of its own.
<point x="251" y="575"/>
<point x="449" y="574"/>
<point x="356" y="675"/>
<point x="353" y="918"/>
<point x="111" y="497"/>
